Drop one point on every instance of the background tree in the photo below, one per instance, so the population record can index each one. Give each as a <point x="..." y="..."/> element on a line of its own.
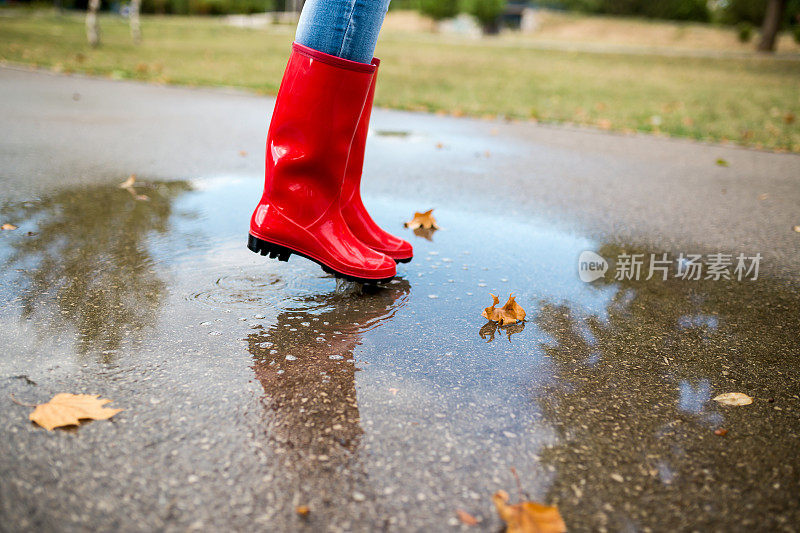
<point x="772" y="25"/>
<point x="93" y="25"/>
<point x="488" y="14"/>
<point x="136" y="30"/>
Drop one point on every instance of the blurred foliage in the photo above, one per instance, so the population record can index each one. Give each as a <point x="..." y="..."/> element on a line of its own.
<point x="487" y="12"/>
<point x="745" y="31"/>
<point x="404" y="5"/>
<point x="696" y="10"/>
<point x="440" y="9"/>
<point x="206" y="7"/>
<point x="182" y="7"/>
<point x="752" y="11"/>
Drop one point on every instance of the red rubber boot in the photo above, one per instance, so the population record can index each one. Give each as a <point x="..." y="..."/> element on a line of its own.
<point x="353" y="210"/>
<point x="316" y="115"/>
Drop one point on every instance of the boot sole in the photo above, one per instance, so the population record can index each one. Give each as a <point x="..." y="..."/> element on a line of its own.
<point x="404" y="260"/>
<point x="282" y="253"/>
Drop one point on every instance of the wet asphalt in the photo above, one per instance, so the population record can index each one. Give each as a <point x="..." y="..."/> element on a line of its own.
<point x="251" y="386"/>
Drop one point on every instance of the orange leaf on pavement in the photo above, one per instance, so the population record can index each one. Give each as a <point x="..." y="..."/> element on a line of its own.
<point x="528" y="517"/>
<point x="69" y="409"/>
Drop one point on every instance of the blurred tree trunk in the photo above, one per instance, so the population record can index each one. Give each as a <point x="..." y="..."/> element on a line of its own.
<point x="772" y="25"/>
<point x="136" y="29"/>
<point x="92" y="26"/>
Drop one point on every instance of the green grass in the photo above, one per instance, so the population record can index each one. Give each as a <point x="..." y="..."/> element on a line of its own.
<point x="747" y="100"/>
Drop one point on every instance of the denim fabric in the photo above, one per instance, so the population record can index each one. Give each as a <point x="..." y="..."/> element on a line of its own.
<point x="342" y="28"/>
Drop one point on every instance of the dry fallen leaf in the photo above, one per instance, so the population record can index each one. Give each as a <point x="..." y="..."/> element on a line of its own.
<point x="733" y="398"/>
<point x="528" y="517"/>
<point x="722" y="163"/>
<point x="510" y="313"/>
<point x="243" y="153"/>
<point x="796" y="228"/>
<point x="128" y="183"/>
<point x="721" y="432"/>
<point x="9" y="227"/>
<point x="422" y="220"/>
<point x="69" y="409"/>
<point x="302" y="510"/>
<point x="466" y="518"/>
<point x="128" y="186"/>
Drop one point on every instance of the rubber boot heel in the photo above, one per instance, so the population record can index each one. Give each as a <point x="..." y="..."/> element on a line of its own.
<point x="275" y="251"/>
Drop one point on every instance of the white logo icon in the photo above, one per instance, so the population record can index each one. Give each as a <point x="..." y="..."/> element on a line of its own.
<point x="591" y="266"/>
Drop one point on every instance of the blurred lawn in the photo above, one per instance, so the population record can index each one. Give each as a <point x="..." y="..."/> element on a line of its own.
<point x="753" y="100"/>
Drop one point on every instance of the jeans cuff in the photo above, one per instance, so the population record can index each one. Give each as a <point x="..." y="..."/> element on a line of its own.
<point x="333" y="60"/>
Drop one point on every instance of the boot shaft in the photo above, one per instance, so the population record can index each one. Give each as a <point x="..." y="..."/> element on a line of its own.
<point x="316" y="115"/>
<point x="355" y="164"/>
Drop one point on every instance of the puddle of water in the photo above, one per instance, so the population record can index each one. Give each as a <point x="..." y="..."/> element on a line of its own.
<point x="401" y="399"/>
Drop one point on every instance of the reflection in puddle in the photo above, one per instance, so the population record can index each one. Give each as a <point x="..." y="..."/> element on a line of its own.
<point x="85" y="262"/>
<point x="693" y="397"/>
<point x="425" y="233"/>
<point x="637" y="421"/>
<point x="378" y="398"/>
<point x="306" y="365"/>
<point x="488" y="330"/>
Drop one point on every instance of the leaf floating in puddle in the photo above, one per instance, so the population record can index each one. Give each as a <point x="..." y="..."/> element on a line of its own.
<point x="9" y="227"/>
<point x="69" y="409"/>
<point x="510" y="313"/>
<point x="128" y="183"/>
<point x="528" y="517"/>
<point x="422" y="220"/>
<point x="734" y="399"/>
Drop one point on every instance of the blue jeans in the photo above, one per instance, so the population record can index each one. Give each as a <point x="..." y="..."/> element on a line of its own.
<point x="343" y="28"/>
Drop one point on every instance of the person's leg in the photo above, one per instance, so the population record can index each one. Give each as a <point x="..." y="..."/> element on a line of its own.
<point x="343" y="28"/>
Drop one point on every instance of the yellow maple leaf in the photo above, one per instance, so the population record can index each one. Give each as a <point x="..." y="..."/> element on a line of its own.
<point x="422" y="220"/>
<point x="510" y="313"/>
<point x="69" y="409"/>
<point x="9" y="227"/>
<point x="528" y="517"/>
